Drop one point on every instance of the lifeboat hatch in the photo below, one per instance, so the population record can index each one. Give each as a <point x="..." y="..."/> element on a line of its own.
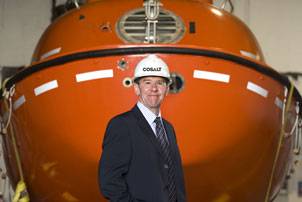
<point x="177" y="84"/>
<point x="132" y="27"/>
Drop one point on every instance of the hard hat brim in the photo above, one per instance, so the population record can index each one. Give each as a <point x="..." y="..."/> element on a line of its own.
<point x="136" y="79"/>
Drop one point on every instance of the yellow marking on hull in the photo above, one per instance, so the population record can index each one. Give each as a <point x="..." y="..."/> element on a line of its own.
<point x="223" y="198"/>
<point x="69" y="197"/>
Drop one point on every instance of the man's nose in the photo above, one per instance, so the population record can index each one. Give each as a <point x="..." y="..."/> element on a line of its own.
<point x="154" y="86"/>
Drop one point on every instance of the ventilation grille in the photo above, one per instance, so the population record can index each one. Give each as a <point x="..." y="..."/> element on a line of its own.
<point x="132" y="27"/>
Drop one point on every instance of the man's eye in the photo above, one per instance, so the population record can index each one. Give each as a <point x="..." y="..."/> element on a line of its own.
<point x="161" y="83"/>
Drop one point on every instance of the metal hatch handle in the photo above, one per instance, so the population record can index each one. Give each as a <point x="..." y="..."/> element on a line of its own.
<point x="224" y="3"/>
<point x="152" y="13"/>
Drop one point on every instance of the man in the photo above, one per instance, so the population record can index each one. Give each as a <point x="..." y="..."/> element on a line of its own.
<point x="140" y="159"/>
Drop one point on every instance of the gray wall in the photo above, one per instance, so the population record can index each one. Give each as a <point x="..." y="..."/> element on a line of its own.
<point x="21" y="25"/>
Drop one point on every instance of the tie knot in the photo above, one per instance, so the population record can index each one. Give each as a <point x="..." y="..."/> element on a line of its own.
<point x="157" y="120"/>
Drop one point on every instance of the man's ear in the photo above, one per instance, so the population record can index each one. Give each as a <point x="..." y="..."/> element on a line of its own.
<point x="167" y="90"/>
<point x="136" y="89"/>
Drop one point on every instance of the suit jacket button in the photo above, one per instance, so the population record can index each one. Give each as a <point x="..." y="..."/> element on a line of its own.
<point x="166" y="166"/>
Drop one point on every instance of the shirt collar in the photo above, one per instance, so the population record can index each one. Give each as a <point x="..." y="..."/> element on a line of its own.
<point x="148" y="114"/>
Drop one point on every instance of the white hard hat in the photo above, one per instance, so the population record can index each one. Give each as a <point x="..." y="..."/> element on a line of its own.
<point x="152" y="66"/>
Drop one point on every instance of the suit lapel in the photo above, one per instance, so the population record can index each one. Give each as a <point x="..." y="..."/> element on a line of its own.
<point x="147" y="130"/>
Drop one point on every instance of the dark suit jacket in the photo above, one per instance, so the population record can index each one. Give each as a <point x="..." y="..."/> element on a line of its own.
<point x="131" y="167"/>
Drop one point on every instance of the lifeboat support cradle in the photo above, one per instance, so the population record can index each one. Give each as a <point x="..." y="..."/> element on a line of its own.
<point x="286" y="107"/>
<point x="21" y="194"/>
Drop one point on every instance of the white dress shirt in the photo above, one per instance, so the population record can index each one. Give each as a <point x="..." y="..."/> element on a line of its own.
<point x="149" y="116"/>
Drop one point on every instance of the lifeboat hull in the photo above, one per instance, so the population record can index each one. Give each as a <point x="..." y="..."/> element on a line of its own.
<point x="227" y="122"/>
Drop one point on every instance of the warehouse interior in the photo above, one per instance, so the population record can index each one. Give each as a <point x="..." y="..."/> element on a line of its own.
<point x="275" y="23"/>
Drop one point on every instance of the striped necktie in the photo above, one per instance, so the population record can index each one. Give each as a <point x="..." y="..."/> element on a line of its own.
<point x="166" y="153"/>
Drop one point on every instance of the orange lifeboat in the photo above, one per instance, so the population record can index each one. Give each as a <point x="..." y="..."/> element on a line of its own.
<point x="234" y="115"/>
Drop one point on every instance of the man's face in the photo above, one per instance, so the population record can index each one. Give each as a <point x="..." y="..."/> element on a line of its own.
<point x="151" y="91"/>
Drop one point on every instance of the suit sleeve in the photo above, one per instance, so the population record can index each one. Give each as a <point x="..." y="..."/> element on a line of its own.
<point x="114" y="162"/>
